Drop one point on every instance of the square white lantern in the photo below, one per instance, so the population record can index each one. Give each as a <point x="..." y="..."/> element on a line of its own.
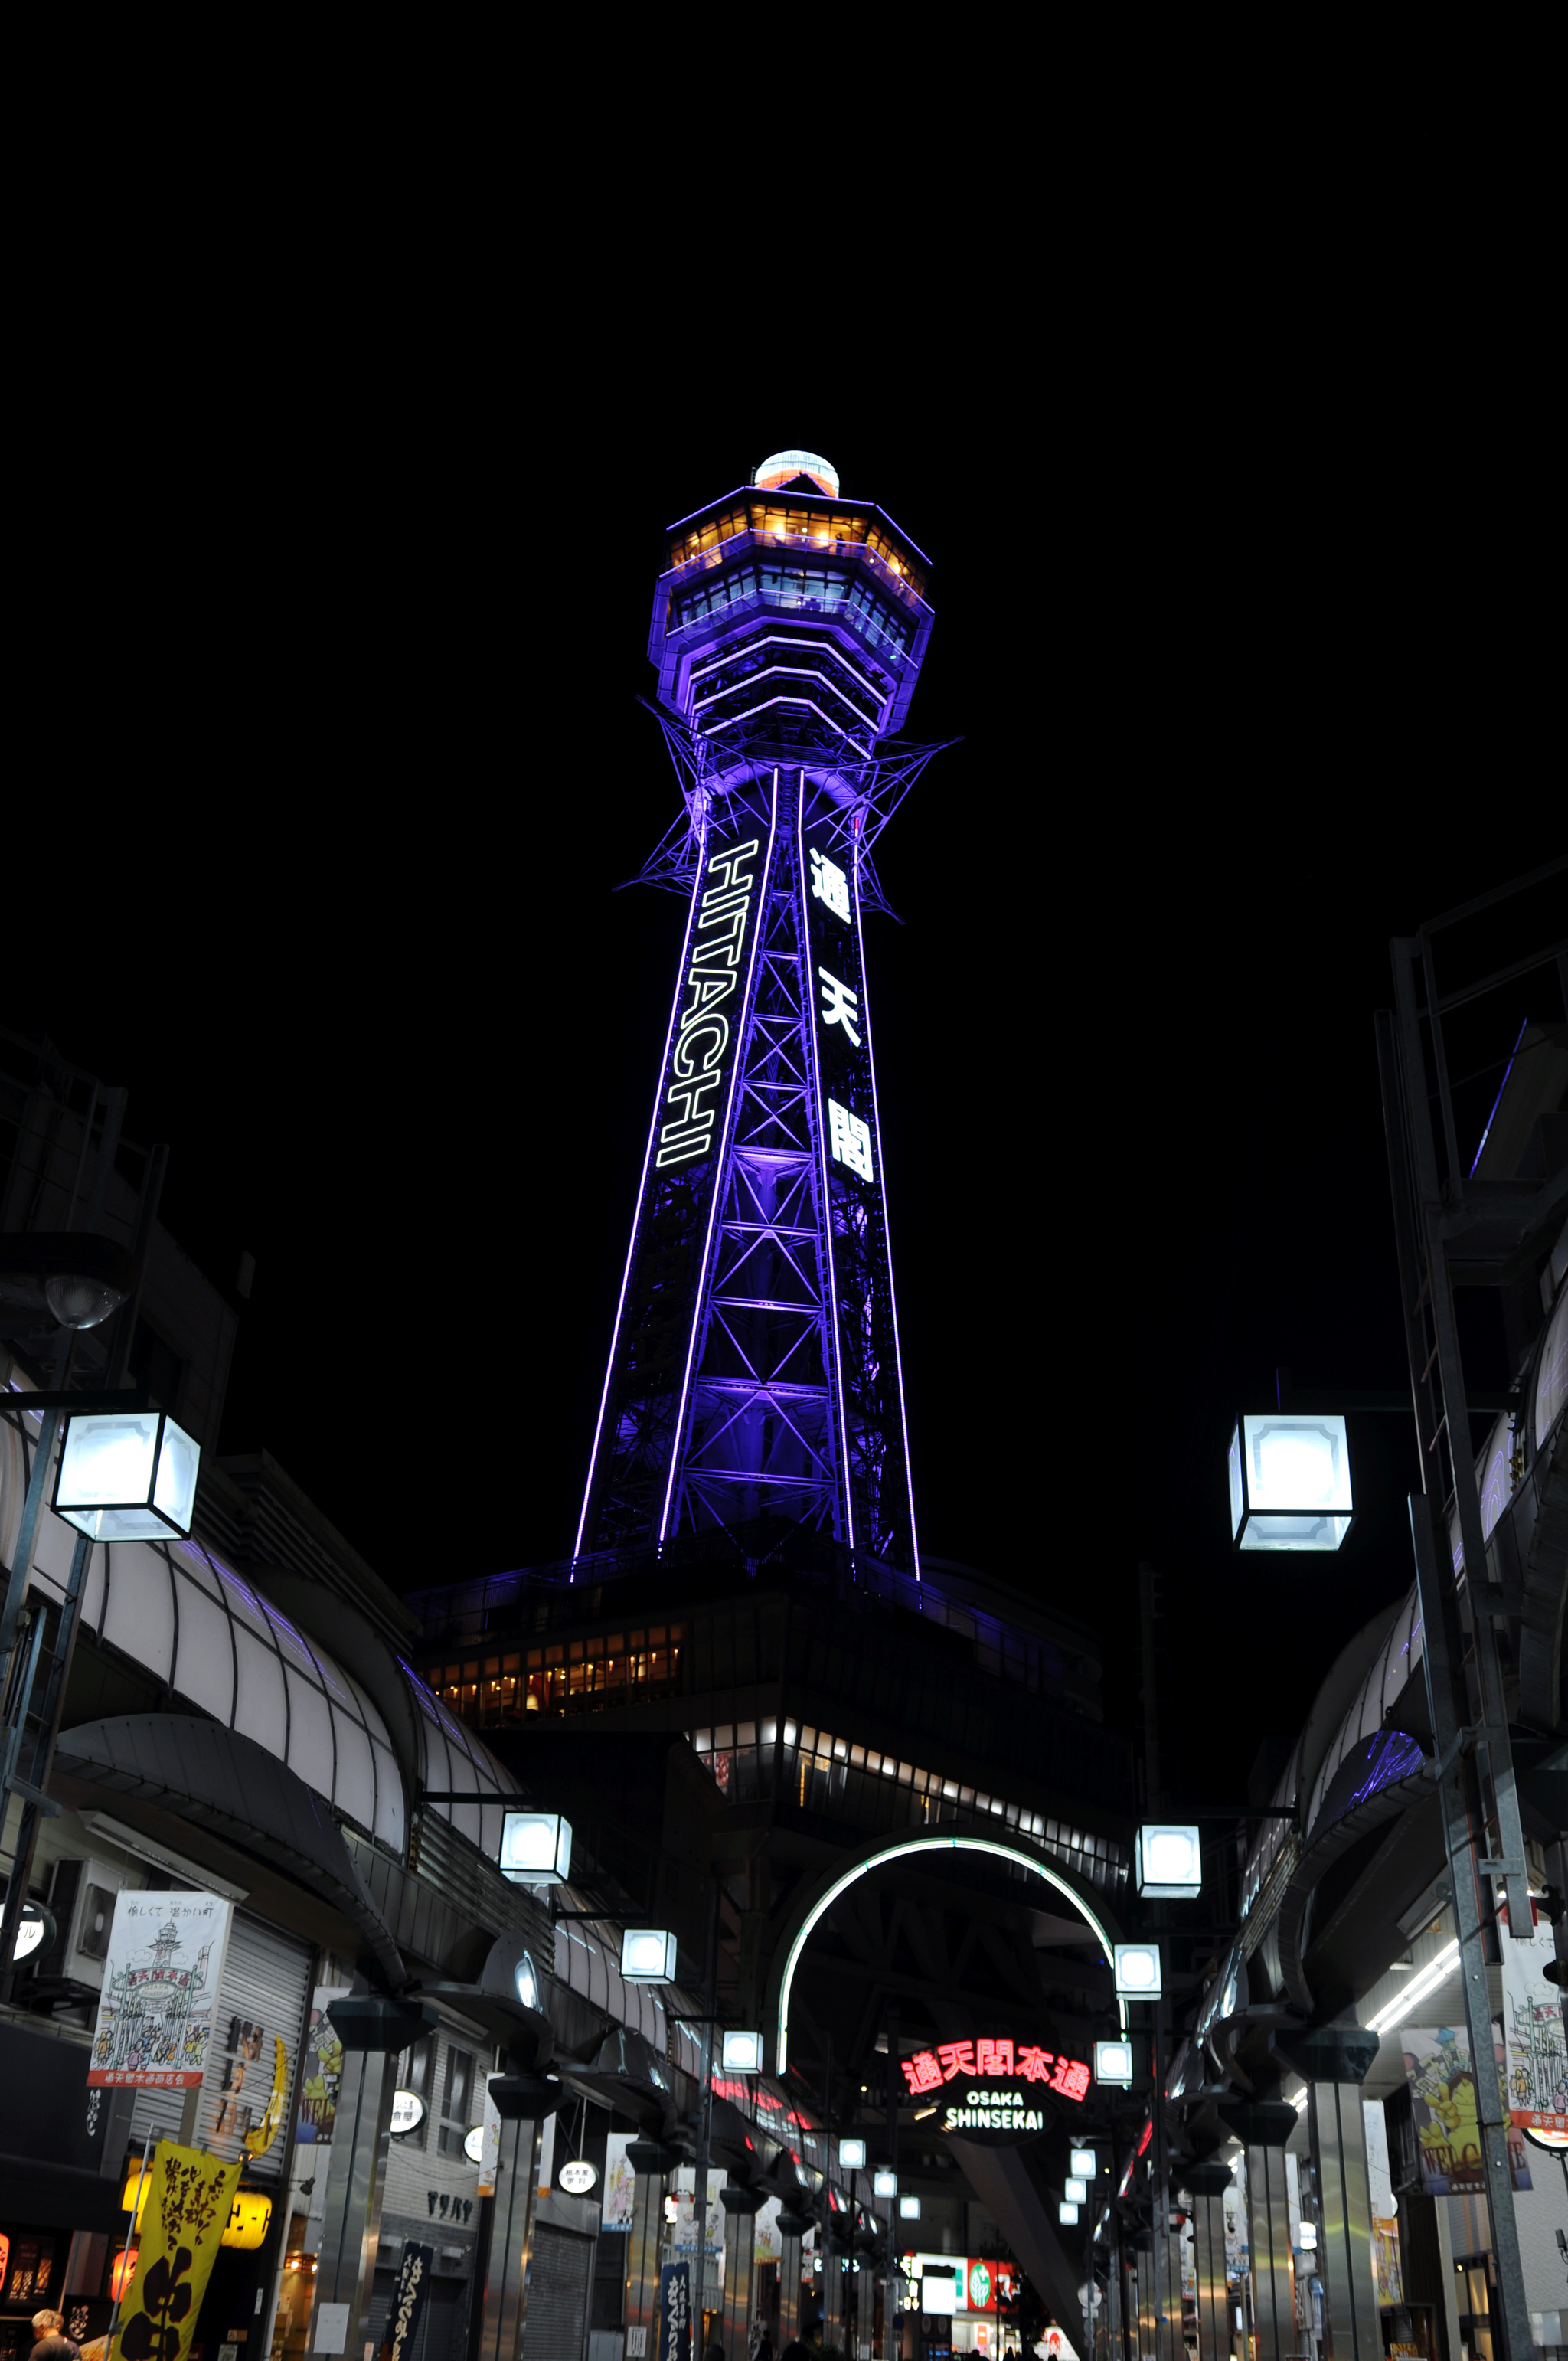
<point x="742" y="2053"/>
<point x="1309" y="2235"/>
<point x="909" y="2209"/>
<point x="1170" y="1862"/>
<point x="1113" y="2063"/>
<point x="536" y="1847"/>
<point x="885" y="2184"/>
<point x="1289" y="1482"/>
<point x="648" y="1955"/>
<point x="1083" y="2163"/>
<point x="852" y="2155"/>
<point x="1137" y="1971"/>
<point x="127" y="1475"/>
<point x="1075" y="2190"/>
<point x="1066" y="2210"/>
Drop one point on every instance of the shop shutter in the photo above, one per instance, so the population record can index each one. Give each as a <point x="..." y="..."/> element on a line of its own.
<point x="559" y="2278"/>
<point x="265" y="1994"/>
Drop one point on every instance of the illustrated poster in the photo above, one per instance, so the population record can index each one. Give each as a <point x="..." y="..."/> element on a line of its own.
<point x="1448" y="2131"/>
<point x="160" y="1986"/>
<point x="322" y="2074"/>
<point x="620" y="2182"/>
<point x="1535" y="2064"/>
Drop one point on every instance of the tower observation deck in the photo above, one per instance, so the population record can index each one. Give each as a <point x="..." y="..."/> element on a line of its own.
<point x="754" y="1365"/>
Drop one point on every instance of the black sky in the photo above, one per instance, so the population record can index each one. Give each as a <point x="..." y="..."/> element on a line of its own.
<point x="358" y="706"/>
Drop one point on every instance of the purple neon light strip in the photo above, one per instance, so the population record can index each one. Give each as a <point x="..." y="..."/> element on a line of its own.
<point x="822" y="1157"/>
<point x="723" y="1148"/>
<point x="1498" y="1102"/>
<point x="642" y="1185"/>
<point x="886" y="1234"/>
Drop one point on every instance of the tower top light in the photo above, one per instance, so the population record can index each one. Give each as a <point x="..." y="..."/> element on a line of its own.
<point x="786" y="466"/>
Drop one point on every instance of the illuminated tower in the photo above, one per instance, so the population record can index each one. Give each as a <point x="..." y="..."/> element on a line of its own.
<point x="754" y="1365"/>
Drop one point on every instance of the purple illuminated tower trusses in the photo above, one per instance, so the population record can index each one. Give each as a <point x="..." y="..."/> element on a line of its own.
<point x="755" y="1367"/>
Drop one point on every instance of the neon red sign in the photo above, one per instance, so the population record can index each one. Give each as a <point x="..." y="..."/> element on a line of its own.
<point x="996" y="2060"/>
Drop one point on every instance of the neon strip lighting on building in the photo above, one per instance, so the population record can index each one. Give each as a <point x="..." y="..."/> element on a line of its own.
<point x="902" y="1852"/>
<point x="819" y="1112"/>
<point x="676" y="999"/>
<point x="886" y="1234"/>
<point x="721" y="1140"/>
<point x="1420" y="1988"/>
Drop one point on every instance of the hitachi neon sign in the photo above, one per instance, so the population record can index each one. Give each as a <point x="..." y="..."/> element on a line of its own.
<point x="700" y="1054"/>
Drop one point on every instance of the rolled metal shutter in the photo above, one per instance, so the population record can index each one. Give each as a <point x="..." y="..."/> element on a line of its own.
<point x="263" y="1999"/>
<point x="560" y="2274"/>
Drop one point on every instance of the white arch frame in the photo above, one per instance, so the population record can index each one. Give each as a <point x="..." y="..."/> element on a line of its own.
<point x="898" y="1853"/>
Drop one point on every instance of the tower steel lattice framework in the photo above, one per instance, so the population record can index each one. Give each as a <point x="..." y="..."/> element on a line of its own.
<point x="754" y="1365"/>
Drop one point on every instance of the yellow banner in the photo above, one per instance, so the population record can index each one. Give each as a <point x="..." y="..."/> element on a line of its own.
<point x="189" y="2198"/>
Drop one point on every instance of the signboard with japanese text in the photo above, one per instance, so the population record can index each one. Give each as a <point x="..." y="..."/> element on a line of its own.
<point x="188" y="2199"/>
<point x="1535" y="2062"/>
<point x="409" y="2299"/>
<point x="164" y="1965"/>
<point x="675" y="2313"/>
<point x="846" y="1112"/>
<point x="994" y="2087"/>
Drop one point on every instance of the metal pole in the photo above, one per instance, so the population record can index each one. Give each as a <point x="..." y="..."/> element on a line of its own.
<point x="26" y="1537"/>
<point x="148" y="2150"/>
<point x="43" y="1764"/>
<point x="1440" y="1213"/>
<point x="705" y="2111"/>
<point x="1471" y="1899"/>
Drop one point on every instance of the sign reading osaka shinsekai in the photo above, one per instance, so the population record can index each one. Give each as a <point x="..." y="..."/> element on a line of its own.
<point x="161" y="1987"/>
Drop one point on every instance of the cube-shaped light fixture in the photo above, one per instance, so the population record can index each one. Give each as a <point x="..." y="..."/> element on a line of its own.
<point x="1066" y="2210"/>
<point x="885" y="2184"/>
<point x="127" y="1475"/>
<point x="1170" y="1862"/>
<point x="1137" y="1971"/>
<point x="1075" y="2190"/>
<point x="1289" y="1482"/>
<point x="1113" y="2063"/>
<point x="536" y="1847"/>
<point x="648" y="1956"/>
<point x="1308" y="2236"/>
<point x="1083" y="2163"/>
<point x="742" y="2053"/>
<point x="909" y="2209"/>
<point x="852" y="2155"/>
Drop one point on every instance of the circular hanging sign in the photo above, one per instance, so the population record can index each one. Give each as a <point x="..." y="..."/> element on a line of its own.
<point x="577" y="2178"/>
<point x="474" y="2145"/>
<point x="407" y="2113"/>
<point x="33" y="1934"/>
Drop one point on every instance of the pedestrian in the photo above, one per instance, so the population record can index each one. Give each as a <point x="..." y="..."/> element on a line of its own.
<point x="795" y="2351"/>
<point x="52" y="2343"/>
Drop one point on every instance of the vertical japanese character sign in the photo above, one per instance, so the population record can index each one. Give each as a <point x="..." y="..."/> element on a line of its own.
<point x="188" y="2199"/>
<point x="838" y="989"/>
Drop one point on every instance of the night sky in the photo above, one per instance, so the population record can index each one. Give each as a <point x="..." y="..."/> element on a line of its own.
<point x="1231" y="717"/>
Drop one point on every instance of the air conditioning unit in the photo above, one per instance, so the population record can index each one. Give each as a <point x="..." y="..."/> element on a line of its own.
<point x="82" y="1904"/>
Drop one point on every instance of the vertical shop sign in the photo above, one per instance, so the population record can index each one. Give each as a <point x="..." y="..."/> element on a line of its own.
<point x="410" y="2297"/>
<point x="675" y="2313"/>
<point x="189" y="2197"/>
<point x="160" y="1986"/>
